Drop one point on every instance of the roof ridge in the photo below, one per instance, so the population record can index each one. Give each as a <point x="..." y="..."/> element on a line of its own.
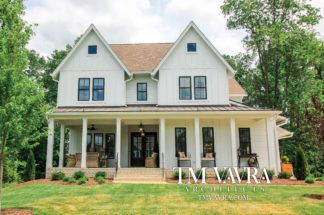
<point x="140" y="43"/>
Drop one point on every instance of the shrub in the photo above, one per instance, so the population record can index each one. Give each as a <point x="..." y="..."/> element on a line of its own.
<point x="71" y="180"/>
<point x="79" y="174"/>
<point x="243" y="175"/>
<point x="57" y="176"/>
<point x="175" y="175"/>
<point x="284" y="175"/>
<point x="285" y="159"/>
<point x="301" y="165"/>
<point x="100" y="180"/>
<point x="66" y="179"/>
<point x="223" y="174"/>
<point x="199" y="174"/>
<point x="270" y="173"/>
<point x="320" y="178"/>
<point x="100" y="174"/>
<point x="309" y="179"/>
<point x="83" y="180"/>
<point x="29" y="173"/>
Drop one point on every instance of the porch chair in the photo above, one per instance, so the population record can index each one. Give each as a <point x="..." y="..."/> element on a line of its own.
<point x="183" y="160"/>
<point x="71" y="161"/>
<point x="151" y="162"/>
<point x="209" y="160"/>
<point x="92" y="160"/>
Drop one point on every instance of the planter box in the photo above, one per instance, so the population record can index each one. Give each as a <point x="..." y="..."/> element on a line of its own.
<point x="287" y="167"/>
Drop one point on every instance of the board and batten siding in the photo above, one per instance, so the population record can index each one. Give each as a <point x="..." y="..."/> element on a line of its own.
<point x="131" y="90"/>
<point x="83" y="65"/>
<point x="202" y="63"/>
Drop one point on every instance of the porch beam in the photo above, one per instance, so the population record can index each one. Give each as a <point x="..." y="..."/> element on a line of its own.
<point x="50" y="143"/>
<point x="197" y="143"/>
<point x="162" y="142"/>
<point x="233" y="141"/>
<point x="118" y="140"/>
<point x="84" y="143"/>
<point x="61" y="155"/>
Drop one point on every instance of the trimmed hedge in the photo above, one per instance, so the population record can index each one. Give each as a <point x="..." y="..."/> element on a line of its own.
<point x="56" y="176"/>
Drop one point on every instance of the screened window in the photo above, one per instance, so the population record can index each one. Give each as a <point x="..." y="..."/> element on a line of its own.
<point x="110" y="146"/>
<point x="84" y="89"/>
<point x="141" y="91"/>
<point x="191" y="47"/>
<point x="180" y="141"/>
<point x="208" y="140"/>
<point x="98" y="89"/>
<point x="98" y="141"/>
<point x="200" y="87"/>
<point x="185" y="88"/>
<point x="92" y="49"/>
<point x="89" y="141"/>
<point x="245" y="140"/>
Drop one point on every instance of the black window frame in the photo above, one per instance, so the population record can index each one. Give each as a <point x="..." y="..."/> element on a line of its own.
<point x="94" y="141"/>
<point x="195" y="47"/>
<point x="177" y="143"/>
<point x="248" y="143"/>
<point x="93" y="89"/>
<point x="141" y="91"/>
<point x="180" y="77"/>
<point x="109" y="148"/>
<point x="89" y="146"/>
<point x="205" y="87"/>
<point x="90" y="48"/>
<point x="208" y="142"/>
<point x="79" y="89"/>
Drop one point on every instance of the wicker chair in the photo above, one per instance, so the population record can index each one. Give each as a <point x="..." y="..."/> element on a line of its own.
<point x="209" y="160"/>
<point x="92" y="160"/>
<point x="71" y="161"/>
<point x="184" y="160"/>
<point x="150" y="162"/>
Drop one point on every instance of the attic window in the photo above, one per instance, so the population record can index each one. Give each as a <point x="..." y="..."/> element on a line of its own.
<point x="92" y="49"/>
<point x="191" y="47"/>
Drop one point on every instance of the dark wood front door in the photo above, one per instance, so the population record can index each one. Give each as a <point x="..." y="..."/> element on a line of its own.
<point x="142" y="147"/>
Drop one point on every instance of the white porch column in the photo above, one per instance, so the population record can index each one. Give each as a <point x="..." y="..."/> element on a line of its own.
<point x="162" y="142"/>
<point x="84" y="143"/>
<point x="50" y="143"/>
<point x="233" y="141"/>
<point x="197" y="143"/>
<point x="118" y="140"/>
<point x="61" y="156"/>
<point x="270" y="144"/>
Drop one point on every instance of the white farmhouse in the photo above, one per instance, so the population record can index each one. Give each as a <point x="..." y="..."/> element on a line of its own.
<point x="156" y="105"/>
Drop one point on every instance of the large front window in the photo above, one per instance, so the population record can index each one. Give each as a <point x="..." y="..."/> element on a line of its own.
<point x="110" y="146"/>
<point x="98" y="141"/>
<point x="245" y="140"/>
<point x="141" y="91"/>
<point x="89" y="142"/>
<point x="208" y="140"/>
<point x="180" y="141"/>
<point x="84" y="89"/>
<point x="185" y="88"/>
<point x="98" y="89"/>
<point x="200" y="87"/>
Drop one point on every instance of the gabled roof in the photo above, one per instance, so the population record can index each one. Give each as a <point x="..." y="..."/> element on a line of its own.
<point x="86" y="33"/>
<point x="194" y="26"/>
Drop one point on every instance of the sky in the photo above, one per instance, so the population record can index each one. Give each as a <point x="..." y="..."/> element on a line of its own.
<point x="59" y="22"/>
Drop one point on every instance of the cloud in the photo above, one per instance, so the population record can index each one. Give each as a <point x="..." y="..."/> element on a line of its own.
<point x="129" y="21"/>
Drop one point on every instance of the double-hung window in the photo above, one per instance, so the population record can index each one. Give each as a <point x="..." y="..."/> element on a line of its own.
<point x="84" y="89"/>
<point x="200" y="87"/>
<point x="98" y="141"/>
<point x="245" y="140"/>
<point x="141" y="91"/>
<point x="98" y="89"/>
<point x="180" y="141"/>
<point x="185" y="88"/>
<point x="110" y="145"/>
<point x="208" y="140"/>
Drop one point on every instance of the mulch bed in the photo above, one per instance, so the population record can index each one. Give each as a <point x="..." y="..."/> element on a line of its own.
<point x="275" y="181"/>
<point x="13" y="211"/>
<point x="315" y="196"/>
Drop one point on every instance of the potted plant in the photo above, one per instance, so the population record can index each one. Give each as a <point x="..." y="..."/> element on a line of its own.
<point x="285" y="165"/>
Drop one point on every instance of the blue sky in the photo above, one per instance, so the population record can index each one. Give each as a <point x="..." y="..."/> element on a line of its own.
<point x="59" y="22"/>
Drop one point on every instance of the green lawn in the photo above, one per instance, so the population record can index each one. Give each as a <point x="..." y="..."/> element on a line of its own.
<point x="157" y="199"/>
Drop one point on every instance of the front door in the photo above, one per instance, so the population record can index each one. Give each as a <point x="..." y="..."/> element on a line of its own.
<point x="142" y="147"/>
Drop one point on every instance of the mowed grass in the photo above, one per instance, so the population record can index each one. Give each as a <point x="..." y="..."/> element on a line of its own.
<point x="158" y="199"/>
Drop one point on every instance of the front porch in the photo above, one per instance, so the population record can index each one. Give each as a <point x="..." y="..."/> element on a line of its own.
<point x="118" y="143"/>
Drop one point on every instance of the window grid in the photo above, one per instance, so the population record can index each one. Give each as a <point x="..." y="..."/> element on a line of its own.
<point x="208" y="140"/>
<point x="245" y="140"/>
<point x="98" y="141"/>
<point x="141" y="91"/>
<point x="185" y="88"/>
<point x="84" y="89"/>
<point x="98" y="91"/>
<point x="200" y="87"/>
<point x="180" y="141"/>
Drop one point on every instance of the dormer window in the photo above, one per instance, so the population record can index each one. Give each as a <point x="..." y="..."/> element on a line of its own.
<point x="92" y="49"/>
<point x="191" y="47"/>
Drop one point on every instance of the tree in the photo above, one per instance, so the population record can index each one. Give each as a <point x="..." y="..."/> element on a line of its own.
<point x="301" y="167"/>
<point x="22" y="107"/>
<point x="30" y="166"/>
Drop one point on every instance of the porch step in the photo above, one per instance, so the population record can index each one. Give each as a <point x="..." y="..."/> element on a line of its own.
<point x="139" y="175"/>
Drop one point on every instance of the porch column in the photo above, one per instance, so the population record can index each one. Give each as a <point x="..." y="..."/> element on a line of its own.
<point x="50" y="143"/>
<point x="197" y="143"/>
<point x="270" y="144"/>
<point x="162" y="142"/>
<point x="118" y="140"/>
<point x="84" y="143"/>
<point x="233" y="141"/>
<point x="61" y="156"/>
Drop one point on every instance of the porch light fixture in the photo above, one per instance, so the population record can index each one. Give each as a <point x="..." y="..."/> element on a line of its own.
<point x="141" y="130"/>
